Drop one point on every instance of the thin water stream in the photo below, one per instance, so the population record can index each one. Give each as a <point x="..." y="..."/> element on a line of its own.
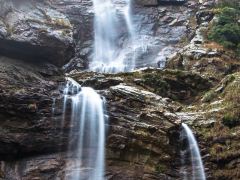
<point x="197" y="169"/>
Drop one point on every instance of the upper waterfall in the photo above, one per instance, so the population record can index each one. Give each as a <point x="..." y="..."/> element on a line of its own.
<point x="109" y="55"/>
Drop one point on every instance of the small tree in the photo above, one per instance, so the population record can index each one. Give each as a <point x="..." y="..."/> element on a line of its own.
<point x="226" y="30"/>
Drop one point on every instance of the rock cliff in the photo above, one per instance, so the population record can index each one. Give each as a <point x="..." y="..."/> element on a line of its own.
<point x="145" y="108"/>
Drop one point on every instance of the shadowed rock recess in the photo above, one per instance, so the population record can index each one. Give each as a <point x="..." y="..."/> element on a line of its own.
<point x="44" y="41"/>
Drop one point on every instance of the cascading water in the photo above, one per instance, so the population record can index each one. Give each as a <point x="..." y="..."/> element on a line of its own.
<point x="127" y="11"/>
<point x="88" y="124"/>
<point x="197" y="167"/>
<point x="109" y="56"/>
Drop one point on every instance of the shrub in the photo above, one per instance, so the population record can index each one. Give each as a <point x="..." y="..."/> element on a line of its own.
<point x="226" y="30"/>
<point x="228" y="15"/>
<point x="231" y="120"/>
<point x="209" y="96"/>
<point x="231" y="93"/>
<point x="160" y="86"/>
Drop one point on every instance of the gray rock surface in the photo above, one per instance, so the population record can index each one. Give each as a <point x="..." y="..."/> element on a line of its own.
<point x="32" y="30"/>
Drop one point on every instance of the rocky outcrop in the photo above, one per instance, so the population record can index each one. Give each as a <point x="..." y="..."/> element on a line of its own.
<point x="201" y="56"/>
<point x="35" y="31"/>
<point x="215" y="115"/>
<point x="25" y="110"/>
<point x="141" y="128"/>
<point x="216" y="123"/>
<point x="174" y="84"/>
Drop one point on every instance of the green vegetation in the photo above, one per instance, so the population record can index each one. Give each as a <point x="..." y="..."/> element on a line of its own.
<point x="226" y="30"/>
<point x="231" y="120"/>
<point x="209" y="96"/>
<point x="231" y="117"/>
<point x="174" y="84"/>
<point x="160" y="86"/>
<point x="161" y="168"/>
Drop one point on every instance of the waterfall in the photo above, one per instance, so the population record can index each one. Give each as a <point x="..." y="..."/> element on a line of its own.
<point x="88" y="128"/>
<point x="109" y="56"/>
<point x="196" y="160"/>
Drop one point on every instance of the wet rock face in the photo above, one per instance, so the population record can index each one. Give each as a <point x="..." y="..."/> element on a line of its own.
<point x="47" y="30"/>
<point x="26" y="98"/>
<point x="34" y="31"/>
<point x="160" y="29"/>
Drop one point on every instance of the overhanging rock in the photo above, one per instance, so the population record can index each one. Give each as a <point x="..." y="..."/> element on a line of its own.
<point x="33" y="31"/>
<point x="159" y="2"/>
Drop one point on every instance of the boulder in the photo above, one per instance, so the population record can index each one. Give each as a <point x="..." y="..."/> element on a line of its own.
<point x="36" y="32"/>
<point x="204" y="16"/>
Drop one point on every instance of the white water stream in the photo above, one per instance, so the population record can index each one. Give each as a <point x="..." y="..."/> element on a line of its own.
<point x="198" y="172"/>
<point x="88" y="113"/>
<point x="109" y="55"/>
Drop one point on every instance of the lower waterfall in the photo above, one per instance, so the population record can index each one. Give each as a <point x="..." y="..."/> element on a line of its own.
<point x="87" y="112"/>
<point x="197" y="167"/>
